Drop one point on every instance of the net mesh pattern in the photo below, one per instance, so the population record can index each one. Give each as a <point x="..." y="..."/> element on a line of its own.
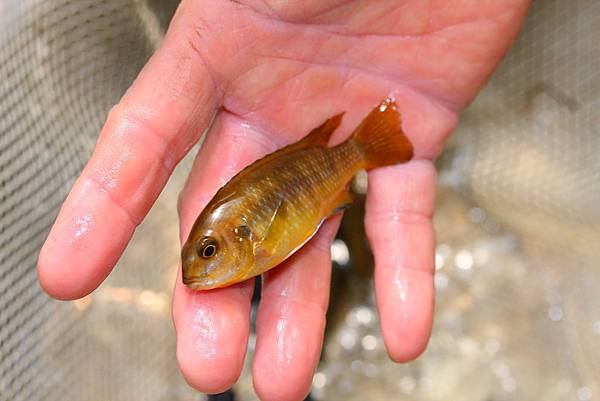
<point x="63" y="64"/>
<point x="531" y="138"/>
<point x="526" y="151"/>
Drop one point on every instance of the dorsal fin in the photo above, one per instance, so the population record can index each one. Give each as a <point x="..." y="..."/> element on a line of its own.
<point x="320" y="136"/>
<point x="317" y="137"/>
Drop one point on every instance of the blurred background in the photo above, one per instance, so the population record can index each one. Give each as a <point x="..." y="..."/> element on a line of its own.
<point x="517" y="219"/>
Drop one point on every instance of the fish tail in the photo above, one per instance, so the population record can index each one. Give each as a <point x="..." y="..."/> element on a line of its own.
<point x="380" y="139"/>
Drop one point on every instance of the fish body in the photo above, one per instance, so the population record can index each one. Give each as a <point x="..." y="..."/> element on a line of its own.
<point x="275" y="205"/>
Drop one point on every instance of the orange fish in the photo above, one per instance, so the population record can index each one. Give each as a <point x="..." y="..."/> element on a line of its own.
<point x="275" y="205"/>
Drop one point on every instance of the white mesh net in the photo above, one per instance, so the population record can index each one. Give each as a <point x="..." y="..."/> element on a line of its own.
<point x="526" y="154"/>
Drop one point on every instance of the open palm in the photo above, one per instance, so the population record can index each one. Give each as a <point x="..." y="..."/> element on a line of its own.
<point x="272" y="70"/>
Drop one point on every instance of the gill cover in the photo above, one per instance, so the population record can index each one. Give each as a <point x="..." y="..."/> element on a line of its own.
<point x="219" y="252"/>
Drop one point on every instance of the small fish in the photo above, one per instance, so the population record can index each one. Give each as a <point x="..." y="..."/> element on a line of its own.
<point x="275" y="205"/>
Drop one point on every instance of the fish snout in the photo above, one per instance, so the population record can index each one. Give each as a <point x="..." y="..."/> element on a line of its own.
<point x="191" y="279"/>
<point x="188" y="261"/>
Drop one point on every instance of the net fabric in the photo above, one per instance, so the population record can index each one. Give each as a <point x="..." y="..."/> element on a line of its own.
<point x="63" y="64"/>
<point x="524" y="156"/>
<point x="526" y="153"/>
<point x="531" y="138"/>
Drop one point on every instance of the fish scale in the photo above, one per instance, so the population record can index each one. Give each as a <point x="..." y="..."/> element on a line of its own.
<point x="272" y="207"/>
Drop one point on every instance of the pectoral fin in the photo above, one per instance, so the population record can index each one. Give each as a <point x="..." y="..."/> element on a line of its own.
<point x="276" y="229"/>
<point x="273" y="233"/>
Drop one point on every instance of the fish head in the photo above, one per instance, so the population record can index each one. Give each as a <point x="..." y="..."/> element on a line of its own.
<point x="217" y="254"/>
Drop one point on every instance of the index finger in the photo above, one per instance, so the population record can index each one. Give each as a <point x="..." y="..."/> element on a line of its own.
<point x="158" y="120"/>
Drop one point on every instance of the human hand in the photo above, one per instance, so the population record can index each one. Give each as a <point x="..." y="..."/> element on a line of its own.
<point x="275" y="70"/>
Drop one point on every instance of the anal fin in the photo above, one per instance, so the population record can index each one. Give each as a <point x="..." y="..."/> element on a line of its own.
<point x="342" y="201"/>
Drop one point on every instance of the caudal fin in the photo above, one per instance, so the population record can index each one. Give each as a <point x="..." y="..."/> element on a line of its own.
<point x="380" y="139"/>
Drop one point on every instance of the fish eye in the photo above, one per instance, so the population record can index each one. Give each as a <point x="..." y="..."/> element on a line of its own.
<point x="207" y="248"/>
<point x="209" y="251"/>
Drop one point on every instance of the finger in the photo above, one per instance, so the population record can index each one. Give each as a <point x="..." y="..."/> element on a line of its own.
<point x="146" y="134"/>
<point x="213" y="326"/>
<point x="291" y="320"/>
<point x="212" y="330"/>
<point x="399" y="207"/>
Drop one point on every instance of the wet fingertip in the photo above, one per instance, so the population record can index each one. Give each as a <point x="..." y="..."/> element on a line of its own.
<point x="50" y="288"/>
<point x="212" y="330"/>
<point x="404" y="349"/>
<point x="407" y="340"/>
<point x="62" y="290"/>
<point x="54" y="281"/>
<point x="209" y="354"/>
<point x="46" y="281"/>
<point x="269" y="388"/>
<point x="217" y="379"/>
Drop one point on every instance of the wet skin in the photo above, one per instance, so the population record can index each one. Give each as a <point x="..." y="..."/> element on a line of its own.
<point x="275" y="70"/>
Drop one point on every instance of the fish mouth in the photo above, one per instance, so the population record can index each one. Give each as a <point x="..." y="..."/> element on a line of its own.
<point x="204" y="281"/>
<point x="200" y="284"/>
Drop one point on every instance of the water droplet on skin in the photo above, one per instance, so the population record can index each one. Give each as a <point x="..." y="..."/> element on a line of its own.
<point x="205" y="335"/>
<point x="82" y="224"/>
<point x="287" y="336"/>
<point x="401" y="290"/>
<point x="383" y="107"/>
